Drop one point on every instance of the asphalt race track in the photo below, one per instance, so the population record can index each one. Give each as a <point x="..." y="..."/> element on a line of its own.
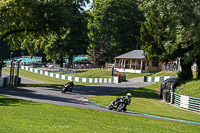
<point x="77" y="98"/>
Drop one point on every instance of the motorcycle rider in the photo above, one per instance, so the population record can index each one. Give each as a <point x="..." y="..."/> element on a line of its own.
<point x="68" y="87"/>
<point x="122" y="98"/>
<point x="128" y="97"/>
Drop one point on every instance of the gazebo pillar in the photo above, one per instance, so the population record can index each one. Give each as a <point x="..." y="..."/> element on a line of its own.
<point x="135" y="65"/>
<point x="124" y="65"/>
<point x="121" y="66"/>
<point x="119" y="63"/>
<point x="130" y="64"/>
<point x="141" y="65"/>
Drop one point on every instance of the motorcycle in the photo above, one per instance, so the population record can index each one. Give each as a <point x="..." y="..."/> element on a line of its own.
<point x="68" y="87"/>
<point x="120" y="103"/>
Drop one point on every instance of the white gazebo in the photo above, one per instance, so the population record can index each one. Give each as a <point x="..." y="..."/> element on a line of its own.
<point x="135" y="62"/>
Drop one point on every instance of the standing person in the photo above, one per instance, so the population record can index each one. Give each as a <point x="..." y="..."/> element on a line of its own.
<point x="168" y="66"/>
<point x="174" y="66"/>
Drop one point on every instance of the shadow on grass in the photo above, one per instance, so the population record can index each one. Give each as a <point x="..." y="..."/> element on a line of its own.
<point x="140" y="93"/>
<point x="4" y="101"/>
<point x="81" y="71"/>
<point x="41" y="85"/>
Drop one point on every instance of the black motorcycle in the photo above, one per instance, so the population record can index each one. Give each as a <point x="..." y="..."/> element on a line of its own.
<point x="120" y="103"/>
<point x="68" y="87"/>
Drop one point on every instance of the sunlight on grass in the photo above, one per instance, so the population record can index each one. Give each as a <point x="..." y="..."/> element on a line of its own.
<point x="145" y="100"/>
<point x="191" y="88"/>
<point x="47" y="81"/>
<point x="164" y="73"/>
<point x="46" y="118"/>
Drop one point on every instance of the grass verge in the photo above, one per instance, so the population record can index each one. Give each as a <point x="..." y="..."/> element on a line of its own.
<point x="191" y="88"/>
<point x="145" y="101"/>
<point x="47" y="81"/>
<point x="105" y="73"/>
<point x="164" y="73"/>
<point x="23" y="116"/>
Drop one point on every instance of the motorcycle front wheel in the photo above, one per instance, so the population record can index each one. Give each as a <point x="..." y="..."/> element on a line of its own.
<point x="110" y="107"/>
<point x="64" y="90"/>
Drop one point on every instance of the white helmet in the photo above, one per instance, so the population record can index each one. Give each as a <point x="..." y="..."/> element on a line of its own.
<point x="129" y="94"/>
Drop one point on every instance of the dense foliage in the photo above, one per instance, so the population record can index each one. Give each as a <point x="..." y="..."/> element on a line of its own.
<point x="113" y="26"/>
<point x="171" y="31"/>
<point x="38" y="25"/>
<point x="166" y="29"/>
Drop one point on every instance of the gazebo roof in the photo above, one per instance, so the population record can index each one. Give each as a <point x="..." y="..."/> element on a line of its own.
<point x="135" y="54"/>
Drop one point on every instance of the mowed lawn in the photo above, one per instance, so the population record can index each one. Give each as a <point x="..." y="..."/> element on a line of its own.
<point x="105" y="73"/>
<point x="190" y="88"/>
<point x="30" y="117"/>
<point x="24" y="116"/>
<point x="145" y="100"/>
<point x="47" y="81"/>
<point x="164" y="73"/>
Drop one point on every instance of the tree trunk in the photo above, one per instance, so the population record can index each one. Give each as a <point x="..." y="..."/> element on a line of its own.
<point x="70" y="59"/>
<point x="61" y="61"/>
<point x="1" y="66"/>
<point x="186" y="72"/>
<point x="44" y="59"/>
<point x="0" y="72"/>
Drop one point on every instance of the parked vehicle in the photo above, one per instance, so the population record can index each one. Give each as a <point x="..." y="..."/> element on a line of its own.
<point x="121" y="102"/>
<point x="68" y="87"/>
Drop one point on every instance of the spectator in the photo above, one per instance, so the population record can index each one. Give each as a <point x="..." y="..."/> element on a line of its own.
<point x="168" y="66"/>
<point x="174" y="66"/>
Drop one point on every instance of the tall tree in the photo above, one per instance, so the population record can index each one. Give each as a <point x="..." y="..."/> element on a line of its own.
<point x="167" y="34"/>
<point x="36" y="23"/>
<point x="113" y="26"/>
<point x="75" y="42"/>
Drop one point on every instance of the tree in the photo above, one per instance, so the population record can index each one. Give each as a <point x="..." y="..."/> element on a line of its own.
<point x="75" y="42"/>
<point x="36" y="23"/>
<point x="167" y="34"/>
<point x="113" y="26"/>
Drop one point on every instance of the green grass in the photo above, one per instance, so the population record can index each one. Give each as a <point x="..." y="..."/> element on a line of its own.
<point x="145" y="101"/>
<point x="164" y="73"/>
<point x="47" y="81"/>
<point x="54" y="82"/>
<point x="105" y="73"/>
<point x="29" y="117"/>
<point x="191" y="88"/>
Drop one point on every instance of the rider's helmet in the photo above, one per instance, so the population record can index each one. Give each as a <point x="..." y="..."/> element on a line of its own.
<point x="129" y="94"/>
